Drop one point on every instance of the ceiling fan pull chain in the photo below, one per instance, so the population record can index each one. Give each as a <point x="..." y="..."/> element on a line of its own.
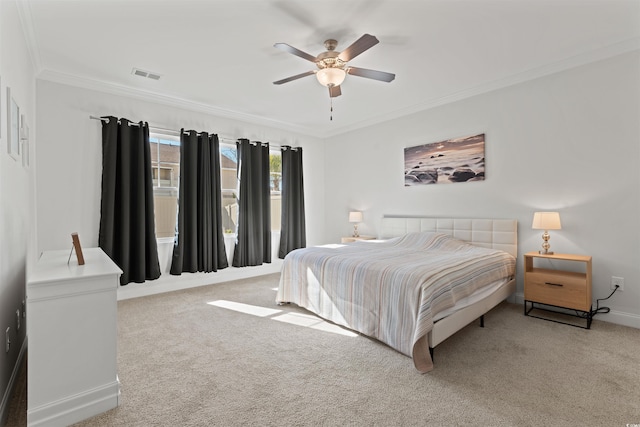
<point x="331" y="111"/>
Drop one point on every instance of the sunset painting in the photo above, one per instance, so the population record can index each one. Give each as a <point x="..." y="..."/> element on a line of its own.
<point x="445" y="162"/>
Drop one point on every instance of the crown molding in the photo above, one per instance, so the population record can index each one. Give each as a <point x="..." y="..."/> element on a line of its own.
<point x="172" y="101"/>
<point x="585" y="58"/>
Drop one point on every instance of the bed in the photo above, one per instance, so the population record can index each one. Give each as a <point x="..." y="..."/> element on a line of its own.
<point x="421" y="281"/>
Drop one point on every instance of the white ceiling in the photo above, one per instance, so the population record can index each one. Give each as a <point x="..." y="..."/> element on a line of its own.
<point x="217" y="56"/>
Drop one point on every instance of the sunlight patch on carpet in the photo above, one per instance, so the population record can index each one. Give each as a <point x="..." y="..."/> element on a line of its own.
<point x="313" y="323"/>
<point x="245" y="308"/>
<point x="298" y="319"/>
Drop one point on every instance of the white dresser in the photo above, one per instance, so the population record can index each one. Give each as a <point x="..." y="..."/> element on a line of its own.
<point x="72" y="338"/>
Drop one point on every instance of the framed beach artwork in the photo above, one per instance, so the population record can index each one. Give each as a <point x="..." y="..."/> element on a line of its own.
<point x="445" y="162"/>
<point x="13" y="126"/>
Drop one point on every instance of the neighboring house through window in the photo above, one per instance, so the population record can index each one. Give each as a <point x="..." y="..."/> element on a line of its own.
<point x="165" y="161"/>
<point x="229" y="182"/>
<point x="229" y="172"/>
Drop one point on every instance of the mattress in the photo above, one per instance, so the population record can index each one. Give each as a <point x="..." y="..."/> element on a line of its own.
<point x="478" y="295"/>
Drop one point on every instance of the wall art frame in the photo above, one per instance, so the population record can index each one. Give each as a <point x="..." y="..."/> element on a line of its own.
<point x="25" y="154"/>
<point x="77" y="247"/>
<point x="24" y="138"/>
<point x="445" y="162"/>
<point x="13" y="126"/>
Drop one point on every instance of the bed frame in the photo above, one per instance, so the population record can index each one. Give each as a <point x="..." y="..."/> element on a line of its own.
<point x="499" y="234"/>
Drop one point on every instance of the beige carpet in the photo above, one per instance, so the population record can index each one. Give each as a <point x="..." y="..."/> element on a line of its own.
<point x="184" y="362"/>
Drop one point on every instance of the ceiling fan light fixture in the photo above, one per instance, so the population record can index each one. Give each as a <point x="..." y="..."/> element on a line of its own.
<point x="330" y="77"/>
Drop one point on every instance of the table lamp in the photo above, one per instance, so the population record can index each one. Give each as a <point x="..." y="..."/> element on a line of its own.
<point x="355" y="217"/>
<point x="546" y="221"/>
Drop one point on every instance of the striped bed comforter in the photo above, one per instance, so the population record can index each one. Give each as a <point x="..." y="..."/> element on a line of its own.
<point x="390" y="290"/>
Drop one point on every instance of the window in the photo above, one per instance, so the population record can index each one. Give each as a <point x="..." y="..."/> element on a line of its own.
<point x="229" y="184"/>
<point x="275" y="178"/>
<point x="229" y="178"/>
<point x="163" y="177"/>
<point x="165" y="162"/>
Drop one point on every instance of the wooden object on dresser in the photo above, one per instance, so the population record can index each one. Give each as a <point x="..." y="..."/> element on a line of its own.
<point x="72" y="336"/>
<point x="78" y="248"/>
<point x="558" y="288"/>
<point x="349" y="239"/>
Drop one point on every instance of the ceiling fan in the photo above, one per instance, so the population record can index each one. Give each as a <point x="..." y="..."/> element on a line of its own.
<point x="332" y="65"/>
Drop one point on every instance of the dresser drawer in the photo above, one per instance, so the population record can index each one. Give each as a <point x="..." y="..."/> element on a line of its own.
<point x="562" y="289"/>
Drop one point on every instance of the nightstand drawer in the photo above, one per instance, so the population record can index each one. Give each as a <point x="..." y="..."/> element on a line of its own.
<point x="562" y="289"/>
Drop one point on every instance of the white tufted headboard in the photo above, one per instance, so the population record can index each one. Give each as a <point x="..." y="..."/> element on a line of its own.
<point x="489" y="233"/>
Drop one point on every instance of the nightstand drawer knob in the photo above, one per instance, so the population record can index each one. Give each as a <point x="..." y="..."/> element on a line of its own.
<point x="554" y="284"/>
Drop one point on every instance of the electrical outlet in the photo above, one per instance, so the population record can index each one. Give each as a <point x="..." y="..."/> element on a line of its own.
<point x="7" y="341"/>
<point x="24" y="311"/>
<point x="17" y="319"/>
<point x="617" y="281"/>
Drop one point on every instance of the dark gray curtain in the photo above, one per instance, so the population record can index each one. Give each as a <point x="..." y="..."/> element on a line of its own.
<point x="127" y="225"/>
<point x="253" y="244"/>
<point x="199" y="242"/>
<point x="292" y="230"/>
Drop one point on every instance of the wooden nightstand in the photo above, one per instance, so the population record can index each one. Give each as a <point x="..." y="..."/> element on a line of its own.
<point x="558" y="288"/>
<point x="350" y="239"/>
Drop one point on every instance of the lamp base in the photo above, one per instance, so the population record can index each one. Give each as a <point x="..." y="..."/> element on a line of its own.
<point x="545" y="244"/>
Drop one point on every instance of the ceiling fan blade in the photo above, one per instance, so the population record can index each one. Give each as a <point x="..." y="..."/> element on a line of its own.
<point x="334" y="91"/>
<point x="371" y="74"/>
<point x="295" y="51"/>
<point x="296" y="77"/>
<point x="363" y="43"/>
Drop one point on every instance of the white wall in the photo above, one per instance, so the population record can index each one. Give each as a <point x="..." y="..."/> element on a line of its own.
<point x="70" y="154"/>
<point x="568" y="142"/>
<point x="16" y="197"/>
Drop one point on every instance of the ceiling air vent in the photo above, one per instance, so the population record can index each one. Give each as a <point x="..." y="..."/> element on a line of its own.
<point x="148" y="74"/>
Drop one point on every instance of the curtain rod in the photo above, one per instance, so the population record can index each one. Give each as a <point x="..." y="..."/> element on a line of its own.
<point x="157" y="128"/>
<point x="177" y="133"/>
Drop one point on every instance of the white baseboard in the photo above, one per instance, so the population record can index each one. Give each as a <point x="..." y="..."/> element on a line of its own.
<point x="618" y="317"/>
<point x="75" y="408"/>
<point x="8" y="393"/>
<point x="168" y="283"/>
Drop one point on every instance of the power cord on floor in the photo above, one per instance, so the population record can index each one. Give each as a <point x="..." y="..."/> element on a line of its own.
<point x="599" y="309"/>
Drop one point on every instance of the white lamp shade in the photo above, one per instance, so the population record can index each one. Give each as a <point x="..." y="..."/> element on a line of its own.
<point x="546" y="221"/>
<point x="355" y="216"/>
<point x="331" y="76"/>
